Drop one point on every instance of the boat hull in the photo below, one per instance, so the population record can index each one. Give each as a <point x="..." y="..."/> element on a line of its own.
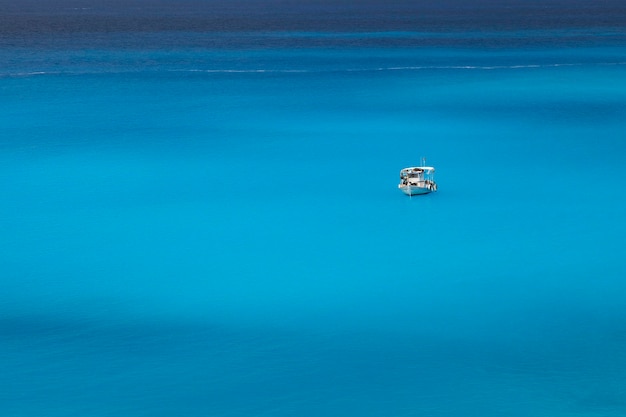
<point x="408" y="190"/>
<point x="417" y="189"/>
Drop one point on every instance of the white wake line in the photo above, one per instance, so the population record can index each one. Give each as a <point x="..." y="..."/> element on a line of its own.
<point x="495" y="67"/>
<point x="250" y="71"/>
<point x="330" y="70"/>
<point x="405" y="68"/>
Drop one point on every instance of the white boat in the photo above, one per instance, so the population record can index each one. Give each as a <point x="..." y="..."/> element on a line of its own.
<point x="417" y="180"/>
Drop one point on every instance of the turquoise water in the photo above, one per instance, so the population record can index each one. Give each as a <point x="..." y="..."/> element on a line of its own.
<point x="217" y="230"/>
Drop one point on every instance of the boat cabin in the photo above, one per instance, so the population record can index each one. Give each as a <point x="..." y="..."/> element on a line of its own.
<point x="416" y="175"/>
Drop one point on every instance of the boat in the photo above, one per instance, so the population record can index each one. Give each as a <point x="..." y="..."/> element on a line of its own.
<point x="417" y="180"/>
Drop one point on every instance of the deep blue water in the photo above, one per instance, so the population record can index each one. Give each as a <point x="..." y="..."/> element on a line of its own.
<point x="200" y="216"/>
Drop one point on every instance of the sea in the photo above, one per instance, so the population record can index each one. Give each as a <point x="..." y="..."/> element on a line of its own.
<point x="200" y="217"/>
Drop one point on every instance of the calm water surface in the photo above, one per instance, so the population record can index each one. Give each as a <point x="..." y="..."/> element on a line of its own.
<point x="200" y="213"/>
